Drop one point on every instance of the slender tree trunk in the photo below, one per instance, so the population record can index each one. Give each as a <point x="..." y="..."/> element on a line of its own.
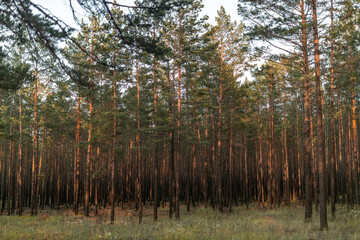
<point x="196" y="150"/>
<point x="156" y="154"/>
<point x="206" y="161"/>
<point x="77" y="160"/>
<point x="58" y="172"/>
<point x="315" y="163"/>
<point x="219" y="128"/>
<point x="11" y="160"/>
<point x="274" y="170"/>
<point x="4" y="179"/>
<point x="320" y="123"/>
<point x="138" y="150"/>
<point x="307" y="125"/>
<point x="88" y="155"/>
<point x="298" y="161"/>
<point x="213" y="159"/>
<point x="34" y="152"/>
<point x="332" y="117"/>
<point x="97" y="179"/>
<point x="19" y="174"/>
<point x="128" y="172"/>
<point x="270" y="156"/>
<point x="163" y="173"/>
<point x="231" y="158"/>
<point x="355" y="140"/>
<point x="39" y="175"/>
<point x="112" y="215"/>
<point x="172" y="146"/>
<point x="87" y="163"/>
<point x="246" y="172"/>
<point x="286" y="164"/>
<point x="341" y="161"/>
<point x="349" y="193"/>
<point x="187" y="176"/>
<point x="177" y="171"/>
<point x="261" y="164"/>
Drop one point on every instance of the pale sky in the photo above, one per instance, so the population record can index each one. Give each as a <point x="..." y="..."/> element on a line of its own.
<point x="212" y="6"/>
<point x="61" y="9"/>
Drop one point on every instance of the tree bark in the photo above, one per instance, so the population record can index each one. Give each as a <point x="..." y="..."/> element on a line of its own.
<point x="320" y="122"/>
<point x="156" y="154"/>
<point x="34" y="152"/>
<point x="177" y="170"/>
<point x="231" y="159"/>
<point x="112" y="193"/>
<point x="137" y="139"/>
<point x="88" y="155"/>
<point x="307" y="124"/>
<point x="286" y="163"/>
<point x="19" y="174"/>
<point x="332" y="117"/>
<point x="77" y="160"/>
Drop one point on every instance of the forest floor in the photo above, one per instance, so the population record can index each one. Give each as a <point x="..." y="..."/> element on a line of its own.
<point x="199" y="223"/>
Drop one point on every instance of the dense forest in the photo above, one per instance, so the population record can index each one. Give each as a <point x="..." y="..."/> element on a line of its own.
<point x="148" y="105"/>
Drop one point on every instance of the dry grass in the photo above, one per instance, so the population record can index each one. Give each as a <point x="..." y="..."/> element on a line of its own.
<point x="200" y="223"/>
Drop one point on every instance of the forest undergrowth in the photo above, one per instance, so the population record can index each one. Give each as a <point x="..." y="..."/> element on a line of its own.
<point x="200" y="223"/>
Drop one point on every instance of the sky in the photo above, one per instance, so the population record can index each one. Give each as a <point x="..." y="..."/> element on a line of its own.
<point x="61" y="9"/>
<point x="212" y="6"/>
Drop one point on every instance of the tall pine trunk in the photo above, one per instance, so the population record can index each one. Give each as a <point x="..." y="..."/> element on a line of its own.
<point x="137" y="139"/>
<point x="307" y="124"/>
<point x="320" y="122"/>
<point x="156" y="153"/>
<point x="332" y="117"/>
<point x="112" y="191"/>
<point x="286" y="163"/>
<point x="77" y="160"/>
<point x="19" y="174"/>
<point x="34" y="152"/>
<point x="177" y="170"/>
<point x="88" y="154"/>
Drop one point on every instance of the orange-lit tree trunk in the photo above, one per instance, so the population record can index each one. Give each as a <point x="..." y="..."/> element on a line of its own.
<point x="231" y="159"/>
<point x="10" y="161"/>
<point x="355" y="140"/>
<point x="286" y="163"/>
<point x="341" y="173"/>
<point x="261" y="164"/>
<point x="138" y="150"/>
<point x="297" y="157"/>
<point x="77" y="160"/>
<point x="34" y="152"/>
<point x="349" y="192"/>
<point x="206" y="160"/>
<point x="88" y="154"/>
<point x="246" y="168"/>
<point x="112" y="191"/>
<point x="39" y="179"/>
<point x="156" y="154"/>
<point x="172" y="143"/>
<point x="307" y="113"/>
<point x="219" y="129"/>
<point x="332" y="117"/>
<point x="320" y="122"/>
<point x="272" y="171"/>
<point x="19" y="173"/>
<point x="177" y="170"/>
<point x="269" y="154"/>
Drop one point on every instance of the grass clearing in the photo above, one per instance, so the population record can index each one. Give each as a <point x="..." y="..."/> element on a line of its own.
<point x="200" y="223"/>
